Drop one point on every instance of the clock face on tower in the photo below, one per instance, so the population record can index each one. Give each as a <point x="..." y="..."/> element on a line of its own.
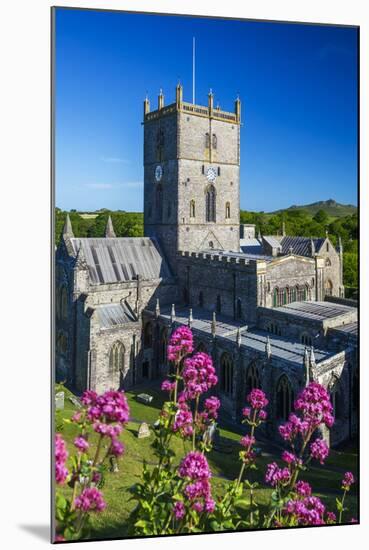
<point x="158" y="172"/>
<point x="211" y="174"/>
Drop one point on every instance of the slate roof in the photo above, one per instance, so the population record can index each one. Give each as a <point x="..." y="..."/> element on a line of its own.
<point x="301" y="246"/>
<point x="251" y="246"/>
<point x="272" y="241"/>
<point x="112" y="260"/>
<point x="111" y="315"/>
<point x="318" y="311"/>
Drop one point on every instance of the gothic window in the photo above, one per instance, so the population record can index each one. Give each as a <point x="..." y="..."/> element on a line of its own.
<point x="207" y="140"/>
<point x="63" y="302"/>
<point x="116" y="358"/>
<point x="201" y="299"/>
<point x="328" y="287"/>
<point x="284" y="398"/>
<point x="192" y="209"/>
<point x="293" y="294"/>
<point x="228" y="210"/>
<point x="273" y="328"/>
<point x="219" y="304"/>
<point x="210" y="204"/>
<point x="306" y="339"/>
<point x="218" y="170"/>
<point x="275" y="297"/>
<point x="148" y="336"/>
<point x="327" y="247"/>
<point x="252" y="378"/>
<point x="203" y="169"/>
<point x="215" y="141"/>
<point x="328" y="263"/>
<point x="226" y="371"/>
<point x="239" y="308"/>
<point x="159" y="202"/>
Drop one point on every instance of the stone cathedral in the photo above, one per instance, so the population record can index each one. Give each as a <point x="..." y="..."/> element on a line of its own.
<point x="270" y="309"/>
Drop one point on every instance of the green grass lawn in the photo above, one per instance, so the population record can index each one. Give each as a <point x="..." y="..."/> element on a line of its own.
<point x="113" y="522"/>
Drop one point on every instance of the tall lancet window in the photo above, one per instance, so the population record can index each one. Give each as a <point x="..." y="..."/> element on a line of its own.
<point x="210" y="204"/>
<point x="159" y="202"/>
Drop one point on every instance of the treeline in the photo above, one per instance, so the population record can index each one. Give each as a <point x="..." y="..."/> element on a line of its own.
<point x="297" y="222"/>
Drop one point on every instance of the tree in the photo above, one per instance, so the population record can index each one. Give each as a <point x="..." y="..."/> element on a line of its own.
<point x="321" y="217"/>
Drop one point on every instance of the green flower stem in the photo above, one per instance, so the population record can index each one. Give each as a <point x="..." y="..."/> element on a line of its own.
<point x="341" y="511"/>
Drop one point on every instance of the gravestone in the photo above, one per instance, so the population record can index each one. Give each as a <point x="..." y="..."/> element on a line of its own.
<point x="144" y="398"/>
<point x="143" y="431"/>
<point x="75" y="401"/>
<point x="59" y="400"/>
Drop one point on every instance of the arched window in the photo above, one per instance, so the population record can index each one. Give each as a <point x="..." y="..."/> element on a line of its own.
<point x="210" y="204"/>
<point x="337" y="398"/>
<point x="275" y="297"/>
<point x="293" y="294"/>
<point x="301" y="293"/>
<point x="219" y="304"/>
<point x="228" y="210"/>
<point x="207" y="140"/>
<point x="284" y="398"/>
<point x="328" y="287"/>
<point x="201" y="298"/>
<point x="63" y="304"/>
<point x="328" y="263"/>
<point x="163" y="345"/>
<point x="273" y="328"/>
<point x="116" y="358"/>
<point x="159" y="202"/>
<point x="215" y="141"/>
<point x="192" y="209"/>
<point x="148" y="336"/>
<point x="306" y="339"/>
<point x="252" y="378"/>
<point x="226" y="372"/>
<point x="239" y="308"/>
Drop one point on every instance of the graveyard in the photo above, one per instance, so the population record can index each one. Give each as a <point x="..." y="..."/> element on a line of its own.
<point x="138" y="437"/>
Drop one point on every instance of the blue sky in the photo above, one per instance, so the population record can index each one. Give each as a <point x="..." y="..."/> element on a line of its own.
<point x="297" y="84"/>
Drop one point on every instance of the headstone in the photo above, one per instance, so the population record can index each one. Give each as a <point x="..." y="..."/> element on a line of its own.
<point x="59" y="400"/>
<point x="75" y="401"/>
<point x="209" y="433"/>
<point x="143" y="431"/>
<point x="144" y="398"/>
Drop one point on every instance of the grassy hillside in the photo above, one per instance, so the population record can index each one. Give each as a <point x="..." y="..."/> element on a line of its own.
<point x="331" y="207"/>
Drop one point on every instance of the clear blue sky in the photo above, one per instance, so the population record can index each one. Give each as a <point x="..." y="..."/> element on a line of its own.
<point x="297" y="83"/>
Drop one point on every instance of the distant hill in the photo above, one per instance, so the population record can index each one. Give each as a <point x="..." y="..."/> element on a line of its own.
<point x="330" y="206"/>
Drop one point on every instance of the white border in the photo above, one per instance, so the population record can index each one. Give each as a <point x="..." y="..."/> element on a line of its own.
<point x="25" y="281"/>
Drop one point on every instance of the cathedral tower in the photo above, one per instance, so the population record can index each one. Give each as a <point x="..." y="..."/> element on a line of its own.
<point x="191" y="175"/>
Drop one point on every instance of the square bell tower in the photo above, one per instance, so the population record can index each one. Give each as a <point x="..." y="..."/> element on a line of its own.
<point x="191" y="176"/>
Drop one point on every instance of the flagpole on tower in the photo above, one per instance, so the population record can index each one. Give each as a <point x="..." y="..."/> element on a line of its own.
<point x="193" y="70"/>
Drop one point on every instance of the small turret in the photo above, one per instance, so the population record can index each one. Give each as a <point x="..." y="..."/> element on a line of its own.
<point x="312" y="246"/>
<point x="210" y="102"/>
<point x="146" y="106"/>
<point x="340" y="246"/>
<point x="109" y="229"/>
<point x="237" y="109"/>
<point x="283" y="229"/>
<point x="268" y="348"/>
<point x="67" y="229"/>
<point x="179" y="95"/>
<point x="306" y="366"/>
<point x="312" y="357"/>
<point x="157" y="308"/>
<point x="160" y="99"/>
<point x="190" y="318"/>
<point x="239" y="338"/>
<point x="214" y="325"/>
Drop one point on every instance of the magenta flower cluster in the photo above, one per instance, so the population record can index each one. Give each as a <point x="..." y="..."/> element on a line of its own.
<point x="348" y="480"/>
<point x="183" y="420"/>
<point x="180" y="344"/>
<point x="307" y="511"/>
<point x="81" y="443"/>
<point x="315" y="406"/>
<point x="167" y="385"/>
<point x="61" y="455"/>
<point x="211" y="407"/>
<point x="109" y="407"/>
<point x="195" y="469"/>
<point x="257" y="399"/>
<point x="198" y="375"/>
<point x="319" y="450"/>
<point x="90" y="500"/>
<point x="303" y="488"/>
<point x="275" y="475"/>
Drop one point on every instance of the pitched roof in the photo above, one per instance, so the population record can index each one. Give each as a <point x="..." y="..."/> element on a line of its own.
<point x="111" y="315"/>
<point x="112" y="260"/>
<point x="301" y="246"/>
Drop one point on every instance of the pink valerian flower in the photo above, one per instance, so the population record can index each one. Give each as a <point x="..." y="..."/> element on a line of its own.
<point x="211" y="406"/>
<point x="308" y="511"/>
<point x="209" y="505"/>
<point x="81" y="443"/>
<point x="315" y="406"/>
<point x="109" y="407"/>
<point x="294" y="426"/>
<point x="275" y="475"/>
<point x="247" y="441"/>
<point x="180" y="344"/>
<point x="303" y="488"/>
<point x="257" y="399"/>
<point x="109" y="430"/>
<point x="263" y="415"/>
<point x="331" y="517"/>
<point x="319" y="450"/>
<point x="61" y="455"/>
<point x="246" y="412"/>
<point x="194" y="466"/>
<point x="199" y="495"/>
<point x="354" y="520"/>
<point x="348" y="480"/>
<point x="59" y="538"/>
<point x="183" y="420"/>
<point x="167" y="385"/>
<point x="90" y="500"/>
<point x="198" y="375"/>
<point x="179" y="510"/>
<point x="116" y="447"/>
<point x="289" y="458"/>
<point x="76" y="417"/>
